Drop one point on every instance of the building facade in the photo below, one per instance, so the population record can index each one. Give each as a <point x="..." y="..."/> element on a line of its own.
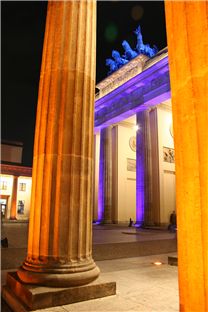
<point x="15" y="183"/>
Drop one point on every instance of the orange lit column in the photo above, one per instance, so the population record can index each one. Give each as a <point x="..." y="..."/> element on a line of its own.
<point x="13" y="211"/>
<point x="105" y="176"/>
<point x="144" y="213"/>
<point x="60" y="231"/>
<point x="187" y="34"/>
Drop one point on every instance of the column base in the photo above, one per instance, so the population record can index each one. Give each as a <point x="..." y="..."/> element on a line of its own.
<point x="139" y="224"/>
<point x="21" y="297"/>
<point x="103" y="222"/>
<point x="61" y="276"/>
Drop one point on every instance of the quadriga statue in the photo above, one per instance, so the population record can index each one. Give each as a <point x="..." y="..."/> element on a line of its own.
<point x="129" y="54"/>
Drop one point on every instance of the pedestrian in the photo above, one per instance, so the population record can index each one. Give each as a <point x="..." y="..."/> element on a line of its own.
<point x="130" y="223"/>
<point x="173" y="222"/>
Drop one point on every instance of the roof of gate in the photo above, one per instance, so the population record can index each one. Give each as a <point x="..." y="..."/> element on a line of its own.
<point x="128" y="71"/>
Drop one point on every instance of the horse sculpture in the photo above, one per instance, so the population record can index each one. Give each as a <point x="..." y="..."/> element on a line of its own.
<point x="144" y="48"/>
<point x="116" y="63"/>
<point x="120" y="61"/>
<point x="129" y="53"/>
<point x="112" y="64"/>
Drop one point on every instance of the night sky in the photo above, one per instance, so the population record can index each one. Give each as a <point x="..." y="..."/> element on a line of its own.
<point x="22" y="33"/>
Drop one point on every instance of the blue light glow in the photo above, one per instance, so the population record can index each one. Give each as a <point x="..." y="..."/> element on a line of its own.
<point x="101" y="188"/>
<point x="146" y="89"/>
<point x="140" y="179"/>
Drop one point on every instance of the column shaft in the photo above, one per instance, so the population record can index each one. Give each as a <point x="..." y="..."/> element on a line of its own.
<point x="143" y="170"/>
<point x="155" y="180"/>
<point x="187" y="35"/>
<point x="60" y="231"/>
<point x="13" y="211"/>
<point x="105" y="176"/>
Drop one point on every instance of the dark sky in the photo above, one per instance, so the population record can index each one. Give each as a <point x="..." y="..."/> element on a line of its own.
<point x="22" y="33"/>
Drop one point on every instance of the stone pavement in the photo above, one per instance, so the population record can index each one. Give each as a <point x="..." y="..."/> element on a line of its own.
<point x="141" y="285"/>
<point x="102" y="234"/>
<point x="109" y="242"/>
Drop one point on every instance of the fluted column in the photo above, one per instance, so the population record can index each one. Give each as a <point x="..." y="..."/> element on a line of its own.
<point x="13" y="211"/>
<point x="187" y="35"/>
<point x="143" y="170"/>
<point x="105" y="176"/>
<point x="154" y="217"/>
<point x="60" y="230"/>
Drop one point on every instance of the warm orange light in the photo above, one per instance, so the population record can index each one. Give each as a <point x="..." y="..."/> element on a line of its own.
<point x="187" y="77"/>
<point x="157" y="263"/>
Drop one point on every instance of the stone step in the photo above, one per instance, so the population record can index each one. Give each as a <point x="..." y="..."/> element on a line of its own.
<point x="24" y="297"/>
<point x="133" y="249"/>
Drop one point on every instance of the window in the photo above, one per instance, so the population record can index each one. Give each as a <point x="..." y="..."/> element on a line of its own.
<point x="3" y="185"/>
<point x="21" y="206"/>
<point x="22" y="187"/>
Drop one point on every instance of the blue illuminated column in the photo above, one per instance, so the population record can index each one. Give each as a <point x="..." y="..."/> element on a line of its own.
<point x="105" y="177"/>
<point x="143" y="169"/>
<point x="153" y="211"/>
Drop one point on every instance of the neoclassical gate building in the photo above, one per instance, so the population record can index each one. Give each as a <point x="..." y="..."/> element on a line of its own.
<point x="132" y="108"/>
<point x="134" y="149"/>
